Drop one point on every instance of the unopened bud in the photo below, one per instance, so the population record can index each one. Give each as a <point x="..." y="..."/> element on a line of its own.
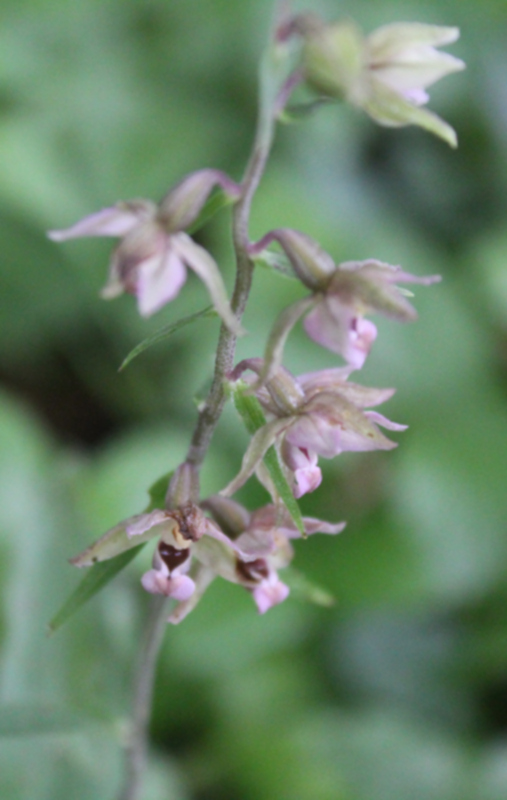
<point x="334" y="60"/>
<point x="386" y="73"/>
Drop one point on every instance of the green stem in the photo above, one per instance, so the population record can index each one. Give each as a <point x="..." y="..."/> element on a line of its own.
<point x="137" y="742"/>
<point x="224" y="361"/>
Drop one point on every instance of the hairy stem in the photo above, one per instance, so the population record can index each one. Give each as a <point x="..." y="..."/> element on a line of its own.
<point x="136" y="748"/>
<point x="224" y="361"/>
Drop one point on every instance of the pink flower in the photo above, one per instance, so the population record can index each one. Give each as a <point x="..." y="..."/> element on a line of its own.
<point x="317" y="414"/>
<point x="341" y="296"/>
<point x="154" y="252"/>
<point x="356" y="288"/>
<point x="261" y="542"/>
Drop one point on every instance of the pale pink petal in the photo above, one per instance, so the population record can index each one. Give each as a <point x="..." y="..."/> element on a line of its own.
<point x="325" y="328"/>
<point x="400" y="276"/>
<point x="314" y="433"/>
<point x="269" y="593"/>
<point x="113" y="221"/>
<point x="154" y="581"/>
<point x="379" y="419"/>
<point x="159" y="280"/>
<point x="332" y="378"/>
<point x="339" y="328"/>
<point x="181" y="587"/>
<point x="419" y="97"/>
<point x="313" y="525"/>
<point x="361" y="335"/>
<point x="306" y="480"/>
<point x="307" y="475"/>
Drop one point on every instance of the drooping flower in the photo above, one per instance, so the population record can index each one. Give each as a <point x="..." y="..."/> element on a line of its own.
<point x="317" y="414"/>
<point x="386" y="73"/>
<point x="193" y="549"/>
<point x="154" y="251"/>
<point x="341" y="295"/>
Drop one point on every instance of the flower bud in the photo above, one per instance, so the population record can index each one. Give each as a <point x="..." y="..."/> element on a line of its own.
<point x="386" y="73"/>
<point x="334" y="60"/>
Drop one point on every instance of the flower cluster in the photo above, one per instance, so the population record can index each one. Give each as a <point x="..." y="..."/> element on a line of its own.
<point x="304" y="418"/>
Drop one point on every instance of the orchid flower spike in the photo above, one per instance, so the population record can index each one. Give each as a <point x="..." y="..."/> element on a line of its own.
<point x="341" y="295"/>
<point x="317" y="414"/>
<point x="154" y="251"/>
<point x="386" y="73"/>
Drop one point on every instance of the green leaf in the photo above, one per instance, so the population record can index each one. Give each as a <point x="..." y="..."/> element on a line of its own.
<point x="165" y="332"/>
<point x="102" y="572"/>
<point x="304" y="588"/>
<point x="158" y="491"/>
<point x="250" y="411"/>
<point x="30" y="720"/>
<point x="212" y="206"/>
<point x="95" y="579"/>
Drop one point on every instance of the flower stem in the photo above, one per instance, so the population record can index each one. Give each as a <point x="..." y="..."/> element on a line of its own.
<point x="224" y="361"/>
<point x="136" y="748"/>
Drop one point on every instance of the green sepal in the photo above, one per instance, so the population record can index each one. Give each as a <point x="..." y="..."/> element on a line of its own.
<point x="250" y="411"/>
<point x="300" y="586"/>
<point x="299" y="112"/>
<point x="165" y="332"/>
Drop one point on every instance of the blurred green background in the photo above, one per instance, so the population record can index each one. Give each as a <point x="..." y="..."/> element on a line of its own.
<point x="400" y="691"/>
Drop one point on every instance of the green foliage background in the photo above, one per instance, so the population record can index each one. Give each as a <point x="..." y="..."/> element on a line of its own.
<point x="400" y="690"/>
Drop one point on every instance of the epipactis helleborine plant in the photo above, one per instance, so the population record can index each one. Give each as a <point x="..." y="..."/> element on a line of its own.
<point x="298" y="419"/>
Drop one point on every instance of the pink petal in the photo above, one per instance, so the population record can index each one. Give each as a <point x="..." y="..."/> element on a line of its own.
<point x="323" y="327"/>
<point x="303" y="464"/>
<point x="332" y="378"/>
<point x="181" y="587"/>
<point x="379" y="419"/>
<point x="339" y="328"/>
<point x="306" y="480"/>
<point x="113" y="221"/>
<point x="269" y="593"/>
<point x="419" y="97"/>
<point x="314" y="433"/>
<point x="362" y="334"/>
<point x="159" y="280"/>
